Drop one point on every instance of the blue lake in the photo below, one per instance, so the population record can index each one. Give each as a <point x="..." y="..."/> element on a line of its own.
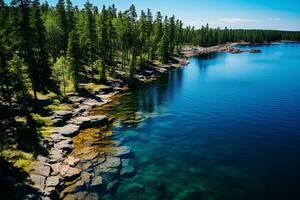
<point x="227" y="126"/>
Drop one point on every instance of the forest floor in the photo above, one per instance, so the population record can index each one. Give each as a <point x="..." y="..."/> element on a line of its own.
<point x="33" y="154"/>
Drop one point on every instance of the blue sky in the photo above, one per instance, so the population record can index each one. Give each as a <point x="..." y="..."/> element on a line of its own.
<point x="260" y="14"/>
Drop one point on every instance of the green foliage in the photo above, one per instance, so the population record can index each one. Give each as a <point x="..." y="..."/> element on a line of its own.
<point x="62" y="74"/>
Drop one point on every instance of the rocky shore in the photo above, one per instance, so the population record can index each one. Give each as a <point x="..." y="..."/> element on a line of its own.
<point x="229" y="48"/>
<point x="82" y="156"/>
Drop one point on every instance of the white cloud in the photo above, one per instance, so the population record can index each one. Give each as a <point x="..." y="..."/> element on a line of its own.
<point x="273" y="19"/>
<point x="236" y="20"/>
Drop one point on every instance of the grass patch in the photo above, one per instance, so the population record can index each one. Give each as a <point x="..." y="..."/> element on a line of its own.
<point x="92" y="87"/>
<point x="19" y="159"/>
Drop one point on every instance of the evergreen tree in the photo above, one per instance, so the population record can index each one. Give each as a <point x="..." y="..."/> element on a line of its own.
<point x="42" y="64"/>
<point x="74" y="58"/>
<point x="163" y="46"/>
<point x="90" y="32"/>
<point x="63" y="24"/>
<point x="142" y="34"/>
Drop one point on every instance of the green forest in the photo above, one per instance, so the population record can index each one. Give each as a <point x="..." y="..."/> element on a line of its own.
<point x="50" y="51"/>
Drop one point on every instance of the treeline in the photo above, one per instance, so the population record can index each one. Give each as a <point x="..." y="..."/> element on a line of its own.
<point x="58" y="47"/>
<point x="207" y="36"/>
<point x="43" y="46"/>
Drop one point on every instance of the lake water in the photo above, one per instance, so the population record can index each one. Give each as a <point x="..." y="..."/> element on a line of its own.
<point x="227" y="126"/>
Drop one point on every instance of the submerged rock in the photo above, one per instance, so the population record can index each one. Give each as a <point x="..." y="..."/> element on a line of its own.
<point x="97" y="183"/>
<point x="129" y="168"/>
<point x="90" y="121"/>
<point x="120" y="151"/>
<point x="112" y="186"/>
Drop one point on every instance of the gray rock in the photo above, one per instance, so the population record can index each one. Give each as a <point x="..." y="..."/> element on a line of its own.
<point x="108" y="174"/>
<point x="120" y="151"/>
<point x="112" y="162"/>
<point x="72" y="161"/>
<point x="69" y="130"/>
<point x="38" y="181"/>
<point x="56" y="155"/>
<point x="65" y="145"/>
<point x="52" y="181"/>
<point x="90" y="121"/>
<point x="42" y="169"/>
<point x="50" y="192"/>
<point x="97" y="183"/>
<point x="58" y="137"/>
<point x="68" y="172"/>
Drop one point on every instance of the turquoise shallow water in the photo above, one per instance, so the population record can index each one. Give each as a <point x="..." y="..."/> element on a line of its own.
<point x="227" y="126"/>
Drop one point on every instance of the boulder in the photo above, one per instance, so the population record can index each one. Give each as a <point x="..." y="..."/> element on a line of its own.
<point x="69" y="130"/>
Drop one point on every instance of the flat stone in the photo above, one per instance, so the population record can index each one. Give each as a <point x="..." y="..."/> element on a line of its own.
<point x="113" y="162"/>
<point x="120" y="151"/>
<point x="68" y="172"/>
<point x="38" y="181"/>
<point x="72" y="161"/>
<point x="50" y="192"/>
<point x="58" y="137"/>
<point x="85" y="166"/>
<point x="56" y="155"/>
<point x="69" y="130"/>
<point x="74" y="190"/>
<point x="52" y="181"/>
<point x="98" y="182"/>
<point x="108" y="174"/>
<point x="89" y="121"/>
<point x="65" y="145"/>
<point x="127" y="172"/>
<point x="41" y="169"/>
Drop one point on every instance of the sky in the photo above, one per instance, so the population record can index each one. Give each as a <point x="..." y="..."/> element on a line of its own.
<point x="246" y="14"/>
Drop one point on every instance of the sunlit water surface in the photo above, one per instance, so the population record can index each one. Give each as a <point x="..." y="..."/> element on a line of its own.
<point x="227" y="126"/>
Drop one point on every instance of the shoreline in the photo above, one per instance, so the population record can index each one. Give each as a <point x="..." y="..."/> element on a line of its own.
<point x="52" y="174"/>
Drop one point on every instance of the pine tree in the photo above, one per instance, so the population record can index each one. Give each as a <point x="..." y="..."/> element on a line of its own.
<point x="149" y="32"/>
<point x="74" y="58"/>
<point x="163" y="46"/>
<point x="40" y="48"/>
<point x="91" y="36"/>
<point x="63" y="24"/>
<point x="26" y="41"/>
<point x="172" y="29"/>
<point x="158" y="33"/>
<point x="70" y="16"/>
<point x="142" y="34"/>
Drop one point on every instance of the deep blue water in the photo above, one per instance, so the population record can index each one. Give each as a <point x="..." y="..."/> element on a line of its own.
<point x="227" y="126"/>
